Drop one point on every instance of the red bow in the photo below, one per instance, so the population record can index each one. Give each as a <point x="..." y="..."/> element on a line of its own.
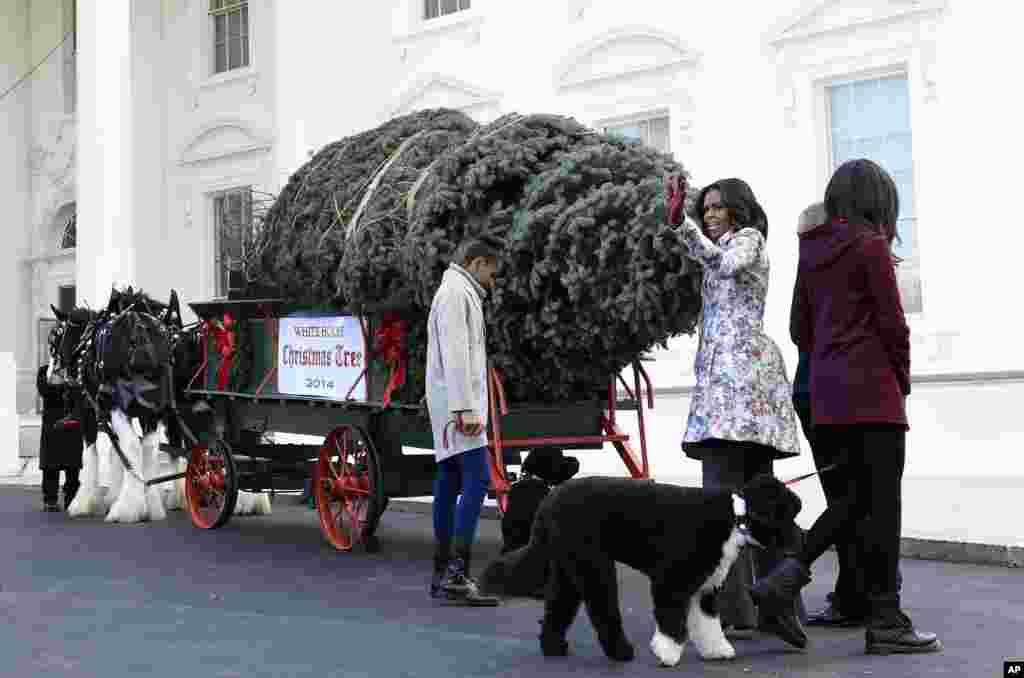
<point x="224" y="341"/>
<point x="390" y="346"/>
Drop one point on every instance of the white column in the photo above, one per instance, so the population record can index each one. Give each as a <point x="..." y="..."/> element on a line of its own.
<point x="15" y="191"/>
<point x="105" y="247"/>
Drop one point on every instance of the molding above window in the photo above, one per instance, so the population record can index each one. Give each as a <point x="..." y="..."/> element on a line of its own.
<point x="813" y="21"/>
<point x="675" y="54"/>
<point x="236" y="137"/>
<point x="472" y="96"/>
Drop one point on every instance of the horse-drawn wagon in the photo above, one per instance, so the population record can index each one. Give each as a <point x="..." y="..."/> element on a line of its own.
<point x="329" y="374"/>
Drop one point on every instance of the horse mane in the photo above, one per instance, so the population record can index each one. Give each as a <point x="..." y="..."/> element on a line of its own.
<point x="121" y="299"/>
<point x="81" y="314"/>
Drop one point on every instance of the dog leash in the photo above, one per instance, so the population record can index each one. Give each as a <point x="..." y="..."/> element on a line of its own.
<point x="805" y="476"/>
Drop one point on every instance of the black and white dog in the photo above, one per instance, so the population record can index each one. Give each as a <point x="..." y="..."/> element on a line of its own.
<point x="685" y="539"/>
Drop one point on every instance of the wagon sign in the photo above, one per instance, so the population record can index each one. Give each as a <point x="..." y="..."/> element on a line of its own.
<point x="321" y="357"/>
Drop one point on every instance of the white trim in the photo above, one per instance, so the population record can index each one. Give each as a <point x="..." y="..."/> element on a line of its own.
<point x="632" y="118"/>
<point x="204" y="219"/>
<point x="783" y="32"/>
<point x="424" y="29"/>
<point x="686" y="56"/>
<point x="258" y="142"/>
<point x="204" y="77"/>
<point x="422" y="83"/>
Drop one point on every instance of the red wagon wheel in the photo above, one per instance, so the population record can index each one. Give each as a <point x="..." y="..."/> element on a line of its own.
<point x="349" y="490"/>
<point x="211" y="485"/>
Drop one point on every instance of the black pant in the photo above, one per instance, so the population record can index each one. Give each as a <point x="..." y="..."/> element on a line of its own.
<point x="731" y="465"/>
<point x="51" y="481"/>
<point x="850" y="596"/>
<point x="868" y="483"/>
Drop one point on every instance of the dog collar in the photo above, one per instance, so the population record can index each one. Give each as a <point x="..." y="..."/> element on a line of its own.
<point x="739" y="509"/>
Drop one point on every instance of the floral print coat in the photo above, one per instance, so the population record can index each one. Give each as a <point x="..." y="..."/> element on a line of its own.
<point x="742" y="391"/>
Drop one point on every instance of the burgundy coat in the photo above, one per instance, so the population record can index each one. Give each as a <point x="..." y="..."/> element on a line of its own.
<point x="853" y="326"/>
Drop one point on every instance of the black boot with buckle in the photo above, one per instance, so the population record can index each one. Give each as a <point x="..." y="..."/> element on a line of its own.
<point x="458" y="587"/>
<point x="890" y="631"/>
<point x="775" y="596"/>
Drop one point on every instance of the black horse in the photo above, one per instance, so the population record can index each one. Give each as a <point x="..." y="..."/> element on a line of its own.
<point x="122" y="363"/>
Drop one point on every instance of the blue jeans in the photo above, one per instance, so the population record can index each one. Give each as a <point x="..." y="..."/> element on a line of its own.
<point x="467" y="472"/>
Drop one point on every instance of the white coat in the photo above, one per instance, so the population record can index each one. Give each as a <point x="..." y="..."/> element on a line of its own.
<point x="456" y="374"/>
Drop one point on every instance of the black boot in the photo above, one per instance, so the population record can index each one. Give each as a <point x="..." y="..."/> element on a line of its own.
<point x="776" y="594"/>
<point x="786" y="626"/>
<point x="459" y="588"/>
<point x="890" y="631"/>
<point x="835" y="615"/>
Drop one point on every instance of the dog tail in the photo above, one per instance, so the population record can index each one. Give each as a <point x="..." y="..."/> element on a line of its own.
<point x="522" y="572"/>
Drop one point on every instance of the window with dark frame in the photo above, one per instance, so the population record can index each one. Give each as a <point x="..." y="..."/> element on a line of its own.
<point x="432" y="9"/>
<point x="230" y="34"/>
<point x="232" y="222"/>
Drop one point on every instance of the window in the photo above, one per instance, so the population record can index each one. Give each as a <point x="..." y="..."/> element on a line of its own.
<point x="69" y="232"/>
<point x="436" y="8"/>
<point x="232" y="212"/>
<point x="230" y="34"/>
<point x="871" y="119"/>
<point x="653" y="132"/>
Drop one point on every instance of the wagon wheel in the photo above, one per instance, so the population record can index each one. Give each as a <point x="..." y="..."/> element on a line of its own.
<point x="349" y="490"/>
<point x="211" y="485"/>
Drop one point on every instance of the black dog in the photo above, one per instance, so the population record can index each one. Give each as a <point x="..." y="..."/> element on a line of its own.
<point x="684" y="539"/>
<point x="543" y="468"/>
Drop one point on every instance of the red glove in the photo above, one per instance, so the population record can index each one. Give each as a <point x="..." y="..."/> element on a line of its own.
<point x="675" y="199"/>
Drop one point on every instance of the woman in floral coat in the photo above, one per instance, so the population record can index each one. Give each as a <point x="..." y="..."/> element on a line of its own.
<point x="741" y="413"/>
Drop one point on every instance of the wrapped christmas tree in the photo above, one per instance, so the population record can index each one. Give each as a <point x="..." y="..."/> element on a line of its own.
<point x="591" y="278"/>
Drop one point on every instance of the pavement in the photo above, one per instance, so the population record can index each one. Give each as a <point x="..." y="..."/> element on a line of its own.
<point x="265" y="596"/>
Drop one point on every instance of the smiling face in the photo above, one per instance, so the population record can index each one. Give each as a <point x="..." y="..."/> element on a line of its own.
<point x="717" y="219"/>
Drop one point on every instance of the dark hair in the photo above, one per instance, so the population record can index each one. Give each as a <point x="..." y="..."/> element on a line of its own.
<point x="486" y="246"/>
<point x="864" y="194"/>
<point x="739" y="199"/>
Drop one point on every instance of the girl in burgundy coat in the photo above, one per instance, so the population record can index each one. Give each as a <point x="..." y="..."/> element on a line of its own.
<point x="852" y="325"/>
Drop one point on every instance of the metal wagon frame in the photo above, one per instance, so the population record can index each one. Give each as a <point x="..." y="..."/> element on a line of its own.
<point x="360" y="465"/>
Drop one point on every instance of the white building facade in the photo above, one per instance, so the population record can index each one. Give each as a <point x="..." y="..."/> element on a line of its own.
<point x="145" y="125"/>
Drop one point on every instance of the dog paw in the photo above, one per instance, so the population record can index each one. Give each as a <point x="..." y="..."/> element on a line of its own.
<point x="717" y="651"/>
<point x="668" y="651"/>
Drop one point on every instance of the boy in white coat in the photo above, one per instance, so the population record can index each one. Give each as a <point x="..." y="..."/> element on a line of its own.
<point x="456" y="380"/>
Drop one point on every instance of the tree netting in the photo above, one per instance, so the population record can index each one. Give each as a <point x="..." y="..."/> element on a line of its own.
<point x="591" y="278"/>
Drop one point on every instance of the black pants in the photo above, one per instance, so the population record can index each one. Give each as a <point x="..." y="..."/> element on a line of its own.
<point x="731" y="465"/>
<point x="868" y="483"/>
<point x="51" y="481"/>
<point x="850" y="596"/>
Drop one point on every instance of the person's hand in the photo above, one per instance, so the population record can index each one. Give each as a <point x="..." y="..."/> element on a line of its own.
<point x="469" y="423"/>
<point x="675" y="199"/>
